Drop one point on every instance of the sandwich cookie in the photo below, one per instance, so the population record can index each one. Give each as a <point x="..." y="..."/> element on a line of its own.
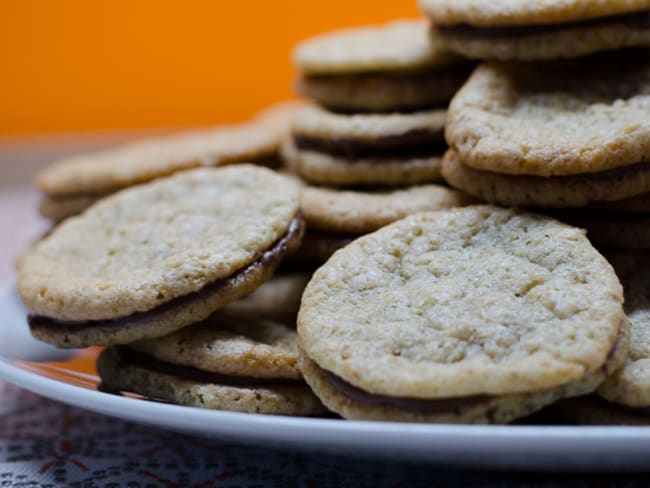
<point x="158" y="257"/>
<point x="538" y="135"/>
<point x="243" y="365"/>
<point x="366" y="149"/>
<point x="335" y="218"/>
<point x="390" y="67"/>
<point x="625" y="395"/>
<point x="472" y="315"/>
<point x="74" y="183"/>
<point x="547" y="29"/>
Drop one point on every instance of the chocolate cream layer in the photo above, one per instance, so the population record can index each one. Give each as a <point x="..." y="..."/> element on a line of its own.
<point x="126" y="357"/>
<point x="417" y="143"/>
<point x="271" y="258"/>
<point x="634" y="20"/>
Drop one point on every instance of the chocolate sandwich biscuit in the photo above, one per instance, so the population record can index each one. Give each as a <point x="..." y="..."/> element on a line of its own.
<point x="158" y="257"/>
<point x="475" y="315"/>
<point x="391" y="67"/>
<point x="546" y="29"/>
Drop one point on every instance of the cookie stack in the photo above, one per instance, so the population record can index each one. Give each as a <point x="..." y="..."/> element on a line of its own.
<point x="378" y="120"/>
<point x="426" y="312"/>
<point x="145" y="270"/>
<point x="567" y="137"/>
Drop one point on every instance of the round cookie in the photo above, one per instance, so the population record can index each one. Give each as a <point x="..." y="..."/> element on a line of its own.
<point x="230" y="345"/>
<point x="360" y="212"/>
<point x="366" y="148"/>
<point x="73" y="183"/>
<point x="158" y="257"/>
<point x="630" y="386"/>
<point x="463" y="305"/>
<point x="544" y="119"/>
<point x="389" y="67"/>
<point x="123" y="370"/>
<point x="581" y="190"/>
<point x="547" y="29"/>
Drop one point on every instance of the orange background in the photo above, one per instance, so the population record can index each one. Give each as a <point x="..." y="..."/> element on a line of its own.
<point x="70" y="65"/>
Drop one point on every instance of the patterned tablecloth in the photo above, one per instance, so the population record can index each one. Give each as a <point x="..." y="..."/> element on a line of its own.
<point x="47" y="444"/>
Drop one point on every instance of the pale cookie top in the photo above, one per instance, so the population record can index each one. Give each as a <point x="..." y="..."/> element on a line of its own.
<point x="314" y="121"/>
<point x="398" y="45"/>
<point x="149" y="244"/>
<point x="359" y="212"/>
<point x="469" y="301"/>
<point x="631" y="385"/>
<point x="553" y="119"/>
<point x="518" y="12"/>
<point x="147" y="159"/>
<point x="253" y="348"/>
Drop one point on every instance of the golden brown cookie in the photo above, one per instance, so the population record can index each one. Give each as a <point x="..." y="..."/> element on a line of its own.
<point x="390" y="67"/>
<point x="544" y="119"/>
<point x="605" y="189"/>
<point x="546" y="29"/>
<point x="158" y="257"/>
<point x="480" y="314"/>
<point x="337" y="149"/>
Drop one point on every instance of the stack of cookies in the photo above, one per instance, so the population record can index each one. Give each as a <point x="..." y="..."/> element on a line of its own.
<point x="380" y="95"/>
<point x="150" y="271"/>
<point x="426" y="312"/>
<point x="566" y="137"/>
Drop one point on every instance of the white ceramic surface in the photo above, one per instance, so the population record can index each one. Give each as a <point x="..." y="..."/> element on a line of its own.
<point x="551" y="448"/>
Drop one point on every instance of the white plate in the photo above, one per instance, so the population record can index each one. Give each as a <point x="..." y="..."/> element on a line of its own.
<point x="60" y="375"/>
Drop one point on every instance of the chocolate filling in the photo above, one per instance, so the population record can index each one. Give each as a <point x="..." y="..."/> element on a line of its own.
<point x="416" y="143"/>
<point x="270" y="258"/>
<point x="414" y="405"/>
<point x="634" y="20"/>
<point x="125" y="357"/>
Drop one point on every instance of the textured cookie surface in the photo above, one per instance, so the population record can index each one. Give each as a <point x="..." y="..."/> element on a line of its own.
<point x="581" y="190"/>
<point x="277" y="400"/>
<point x="399" y="45"/>
<point x="231" y="346"/>
<point x="317" y="122"/>
<point x="462" y="302"/>
<point x="142" y="161"/>
<point x="515" y="12"/>
<point x="150" y="244"/>
<point x="505" y="117"/>
<point x="325" y="169"/>
<point x="482" y="409"/>
<point x="360" y="212"/>
<point x="631" y="385"/>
